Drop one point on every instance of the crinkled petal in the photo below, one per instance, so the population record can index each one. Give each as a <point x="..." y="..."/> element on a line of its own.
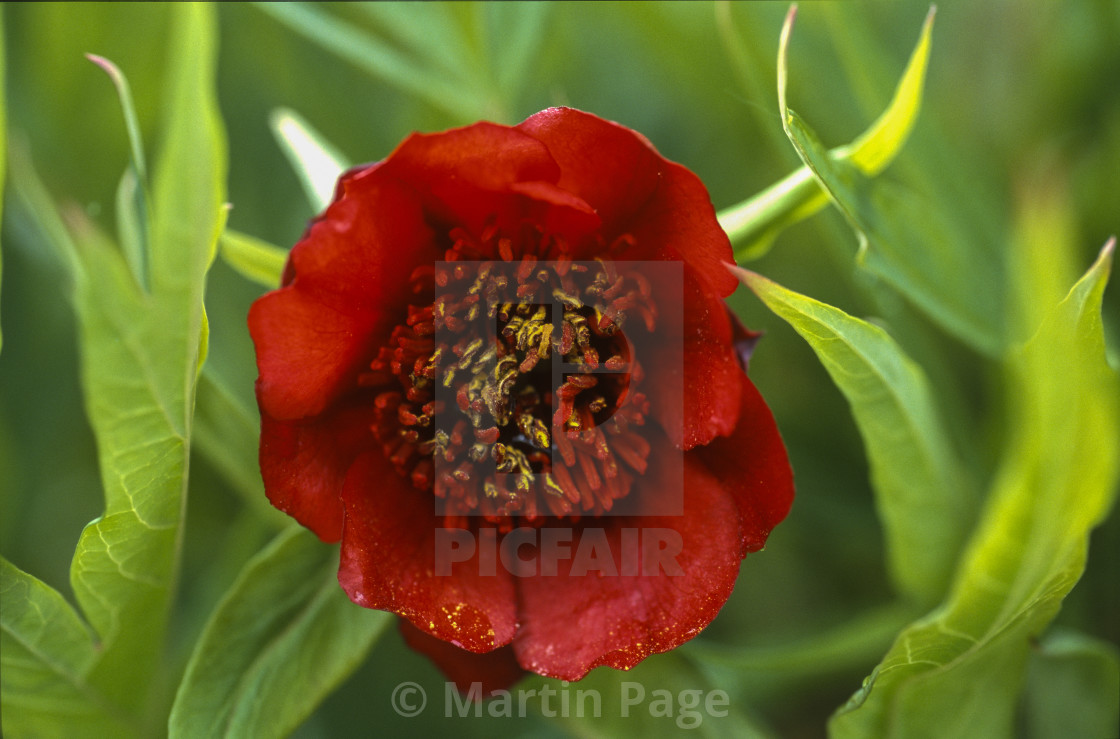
<point x="389" y="563"/>
<point x="612" y="168"/>
<point x="752" y="465"/>
<point x="556" y="211"/>
<point x="488" y="175"/>
<point x="635" y="190"/>
<point x="496" y="670"/>
<point x="573" y="622"/>
<point x="304" y="463"/>
<point x="350" y="287"/>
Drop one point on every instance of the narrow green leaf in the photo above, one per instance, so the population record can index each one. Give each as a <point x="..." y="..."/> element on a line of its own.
<point x="372" y="55"/>
<point x="281" y="639"/>
<point x="132" y="199"/>
<point x="140" y="354"/>
<point x="132" y="125"/>
<point x="913" y="248"/>
<point x="317" y="163"/>
<point x="901" y="239"/>
<point x="46" y="654"/>
<point x="424" y="29"/>
<point x="255" y="259"/>
<point x="958" y="672"/>
<point x="878" y="145"/>
<point x="132" y="225"/>
<point x="920" y="490"/>
<point x="448" y="38"/>
<point x="754" y="224"/>
<point x="1073" y="687"/>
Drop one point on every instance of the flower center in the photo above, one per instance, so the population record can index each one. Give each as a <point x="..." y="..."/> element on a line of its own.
<point x="513" y="394"/>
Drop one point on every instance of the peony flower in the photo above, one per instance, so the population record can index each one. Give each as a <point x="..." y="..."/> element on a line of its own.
<point x="518" y="516"/>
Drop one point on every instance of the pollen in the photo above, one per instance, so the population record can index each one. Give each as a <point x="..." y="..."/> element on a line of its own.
<point x="515" y="394"/>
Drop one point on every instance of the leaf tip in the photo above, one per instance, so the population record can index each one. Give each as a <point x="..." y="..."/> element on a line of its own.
<point x="927" y="26"/>
<point x="751" y="279"/>
<point x="278" y="116"/>
<point x="107" y="66"/>
<point x="783" y="47"/>
<point x="1108" y="248"/>
<point x="1103" y="262"/>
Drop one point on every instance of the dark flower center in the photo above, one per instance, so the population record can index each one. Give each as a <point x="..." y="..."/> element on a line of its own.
<point x="513" y="393"/>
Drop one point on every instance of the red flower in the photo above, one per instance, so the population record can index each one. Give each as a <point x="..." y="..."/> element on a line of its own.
<point x="391" y="419"/>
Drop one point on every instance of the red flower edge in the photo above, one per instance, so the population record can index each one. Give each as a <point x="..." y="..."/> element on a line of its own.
<point x="598" y="190"/>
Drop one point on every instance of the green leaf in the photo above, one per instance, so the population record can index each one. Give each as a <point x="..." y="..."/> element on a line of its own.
<point x="1073" y="687"/>
<point x="132" y="225"/>
<point x="902" y="239"/>
<point x="754" y="224"/>
<point x="281" y="639"/>
<point x="957" y="672"/>
<point x="379" y="59"/>
<point x="921" y="492"/>
<point x="255" y="259"/>
<point x="132" y="125"/>
<point x="423" y="29"/>
<point x="46" y="654"/>
<point x="486" y="49"/>
<point x="132" y="200"/>
<point x="877" y="146"/>
<point x="140" y="355"/>
<point x="317" y="163"/>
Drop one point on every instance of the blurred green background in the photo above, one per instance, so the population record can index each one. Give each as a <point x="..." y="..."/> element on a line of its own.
<point x="1021" y="106"/>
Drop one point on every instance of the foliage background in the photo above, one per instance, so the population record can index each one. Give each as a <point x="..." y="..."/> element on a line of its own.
<point x="1021" y="114"/>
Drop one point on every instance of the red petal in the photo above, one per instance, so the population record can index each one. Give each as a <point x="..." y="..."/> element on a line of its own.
<point x="634" y="189"/>
<point x="752" y="465"/>
<point x="702" y="404"/>
<point x="614" y="169"/>
<point x="680" y="215"/>
<point x="557" y="211"/>
<point x="496" y="670"/>
<point x="389" y="562"/>
<point x="350" y="288"/>
<point x="304" y="464"/>
<point x="307" y="352"/>
<point x="488" y="174"/>
<point x="575" y="622"/>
